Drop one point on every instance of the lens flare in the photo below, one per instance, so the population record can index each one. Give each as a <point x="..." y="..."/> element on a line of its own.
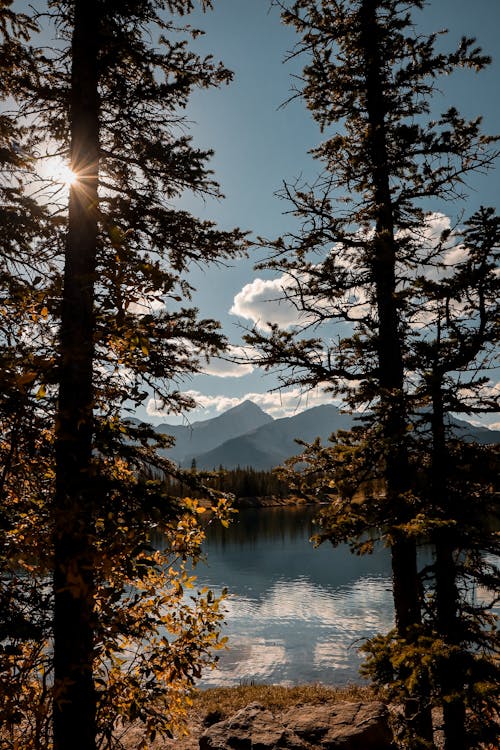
<point x="61" y="172"/>
<point x="66" y="175"/>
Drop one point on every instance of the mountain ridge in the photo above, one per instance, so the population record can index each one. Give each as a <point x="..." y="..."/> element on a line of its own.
<point x="271" y="444"/>
<point x="245" y="435"/>
<point x="207" y="434"/>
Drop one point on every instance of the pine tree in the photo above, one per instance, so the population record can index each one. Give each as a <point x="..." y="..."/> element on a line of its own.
<point x="26" y="356"/>
<point x="450" y="352"/>
<point x="457" y="336"/>
<point x="369" y="82"/>
<point x="111" y="98"/>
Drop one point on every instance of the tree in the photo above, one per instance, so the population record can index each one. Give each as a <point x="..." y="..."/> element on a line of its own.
<point x="348" y="268"/>
<point x="112" y="99"/>
<point x="452" y="336"/>
<point x="453" y="355"/>
<point x="26" y="285"/>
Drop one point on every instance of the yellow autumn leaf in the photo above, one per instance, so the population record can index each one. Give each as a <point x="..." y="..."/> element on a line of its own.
<point x="41" y="392"/>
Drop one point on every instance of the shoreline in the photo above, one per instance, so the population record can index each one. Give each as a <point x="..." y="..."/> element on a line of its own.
<point x="272" y="502"/>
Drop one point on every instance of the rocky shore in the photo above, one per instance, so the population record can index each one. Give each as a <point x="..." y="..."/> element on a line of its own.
<point x="274" y="717"/>
<point x="335" y="725"/>
<point x="346" y="725"/>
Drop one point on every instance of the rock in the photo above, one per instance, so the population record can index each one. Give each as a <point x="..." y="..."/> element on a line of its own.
<point x="251" y="728"/>
<point x="339" y="726"/>
<point x="350" y="726"/>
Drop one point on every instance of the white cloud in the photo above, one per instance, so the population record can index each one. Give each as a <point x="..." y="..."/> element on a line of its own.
<point x="433" y="227"/>
<point x="271" y="301"/>
<point x="287" y="403"/>
<point x="455" y="255"/>
<point x="144" y="304"/>
<point x="427" y="240"/>
<point x="284" y="404"/>
<point x="264" y="301"/>
<point x="216" y="404"/>
<point x="224" y="368"/>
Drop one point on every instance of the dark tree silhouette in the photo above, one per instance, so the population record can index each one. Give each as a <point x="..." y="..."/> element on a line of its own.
<point x="111" y="98"/>
<point x="369" y="81"/>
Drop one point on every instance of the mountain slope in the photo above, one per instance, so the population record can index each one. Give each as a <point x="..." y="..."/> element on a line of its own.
<point x="208" y="434"/>
<point x="270" y="444"/>
<point x="469" y="432"/>
<point x="247" y="436"/>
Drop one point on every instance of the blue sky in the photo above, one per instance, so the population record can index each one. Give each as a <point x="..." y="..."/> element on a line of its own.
<point x="258" y="144"/>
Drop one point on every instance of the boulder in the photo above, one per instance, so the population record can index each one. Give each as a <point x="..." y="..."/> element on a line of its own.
<point x="350" y="726"/>
<point x="339" y="726"/>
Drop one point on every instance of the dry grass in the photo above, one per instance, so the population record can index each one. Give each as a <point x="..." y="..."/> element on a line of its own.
<point x="218" y="703"/>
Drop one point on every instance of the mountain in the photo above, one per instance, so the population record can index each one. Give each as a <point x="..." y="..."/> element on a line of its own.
<point x="206" y="435"/>
<point x="270" y="444"/>
<point x="474" y="433"/>
<point x="247" y="436"/>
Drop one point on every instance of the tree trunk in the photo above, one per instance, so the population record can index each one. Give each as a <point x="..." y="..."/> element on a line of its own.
<point x="390" y="358"/>
<point x="448" y="619"/>
<point x="451" y="675"/>
<point x="74" y="693"/>
<point x="406" y="588"/>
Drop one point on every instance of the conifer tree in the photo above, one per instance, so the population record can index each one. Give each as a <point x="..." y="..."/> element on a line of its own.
<point x="369" y="81"/>
<point x="26" y="286"/>
<point x="111" y="98"/>
<point x="453" y="355"/>
<point x="451" y="349"/>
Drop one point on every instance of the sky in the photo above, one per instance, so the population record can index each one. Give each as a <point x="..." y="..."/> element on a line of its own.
<point x="259" y="143"/>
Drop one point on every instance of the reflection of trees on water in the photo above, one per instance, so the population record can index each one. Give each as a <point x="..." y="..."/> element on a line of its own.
<point x="253" y="524"/>
<point x="294" y="613"/>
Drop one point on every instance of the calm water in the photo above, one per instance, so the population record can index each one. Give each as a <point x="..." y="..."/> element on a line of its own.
<point x="295" y="613"/>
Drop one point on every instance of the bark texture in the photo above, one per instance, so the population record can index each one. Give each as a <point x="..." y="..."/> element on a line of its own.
<point x="74" y="693"/>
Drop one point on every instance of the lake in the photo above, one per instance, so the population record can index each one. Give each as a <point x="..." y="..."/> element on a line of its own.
<point x="295" y="613"/>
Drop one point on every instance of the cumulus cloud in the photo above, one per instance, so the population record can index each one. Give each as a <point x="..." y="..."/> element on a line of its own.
<point x="264" y="301"/>
<point x="287" y="403"/>
<point x="429" y="244"/>
<point x="144" y="304"/>
<point x="431" y="230"/>
<point x="207" y="404"/>
<point x="283" y="404"/>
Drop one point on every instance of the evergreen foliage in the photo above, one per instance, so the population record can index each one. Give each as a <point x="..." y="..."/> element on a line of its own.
<point x="116" y="639"/>
<point x="242" y="483"/>
<point x="360" y="270"/>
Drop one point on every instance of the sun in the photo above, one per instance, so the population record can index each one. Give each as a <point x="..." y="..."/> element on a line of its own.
<point x="62" y="173"/>
<point x="66" y="175"/>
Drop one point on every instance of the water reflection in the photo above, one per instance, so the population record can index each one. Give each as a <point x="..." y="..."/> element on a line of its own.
<point x="295" y="614"/>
